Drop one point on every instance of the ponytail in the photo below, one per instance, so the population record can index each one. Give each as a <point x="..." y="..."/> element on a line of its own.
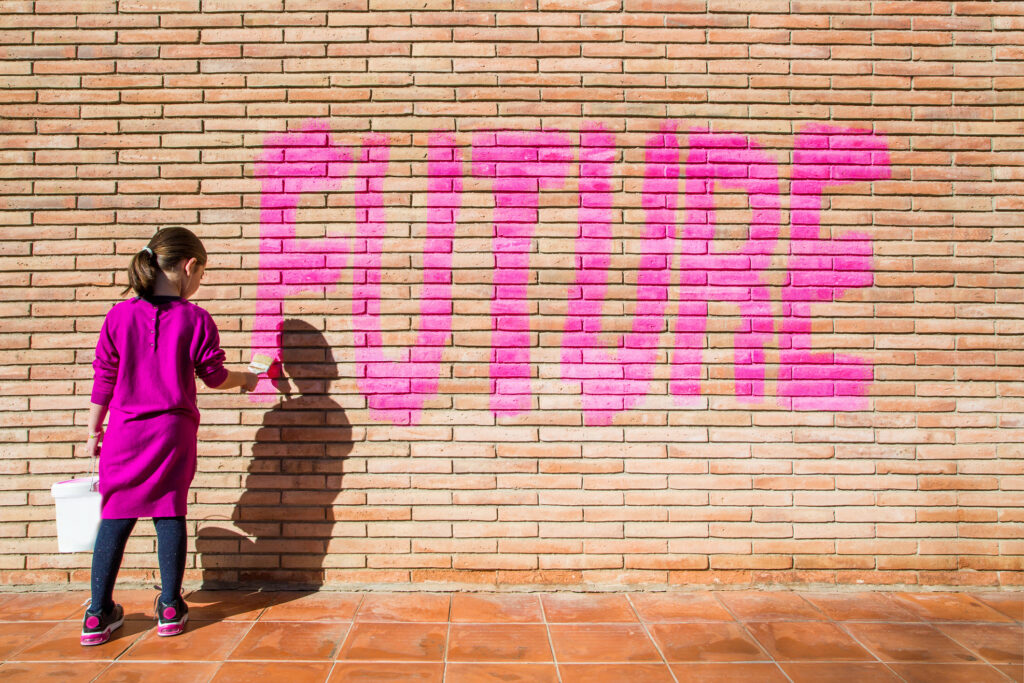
<point x="142" y="273"/>
<point x="166" y="250"/>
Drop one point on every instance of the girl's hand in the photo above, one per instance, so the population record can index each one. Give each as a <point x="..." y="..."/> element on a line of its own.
<point x="251" y="380"/>
<point x="92" y="446"/>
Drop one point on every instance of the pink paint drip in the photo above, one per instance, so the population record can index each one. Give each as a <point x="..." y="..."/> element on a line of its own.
<point x="821" y="269"/>
<point x="731" y="161"/>
<point x="521" y="164"/>
<point x="618" y="379"/>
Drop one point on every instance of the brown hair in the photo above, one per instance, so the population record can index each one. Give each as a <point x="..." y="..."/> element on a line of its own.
<point x="170" y="246"/>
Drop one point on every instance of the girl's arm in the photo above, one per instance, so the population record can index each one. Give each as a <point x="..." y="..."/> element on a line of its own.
<point x="97" y="412"/>
<point x="238" y="379"/>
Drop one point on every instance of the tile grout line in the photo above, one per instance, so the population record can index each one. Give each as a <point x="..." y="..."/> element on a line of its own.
<point x="842" y="627"/>
<point x="654" y="642"/>
<point x="447" y="639"/>
<point x="341" y="643"/>
<point x="551" y="641"/>
<point x="351" y="631"/>
<point x="924" y="620"/>
<point x="252" y="625"/>
<point x="978" y="597"/>
<point x="743" y="627"/>
<point x="938" y="624"/>
<point x="968" y="648"/>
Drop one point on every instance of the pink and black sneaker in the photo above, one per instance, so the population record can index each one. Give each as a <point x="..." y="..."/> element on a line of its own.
<point x="171" y="617"/>
<point x="97" y="627"/>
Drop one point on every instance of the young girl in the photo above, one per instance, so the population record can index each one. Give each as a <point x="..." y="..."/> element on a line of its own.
<point x="150" y="350"/>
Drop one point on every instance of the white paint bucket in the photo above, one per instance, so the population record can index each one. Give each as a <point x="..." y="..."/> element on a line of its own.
<point x="78" y="514"/>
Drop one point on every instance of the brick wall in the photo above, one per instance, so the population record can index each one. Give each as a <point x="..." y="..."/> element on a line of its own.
<point x="564" y="293"/>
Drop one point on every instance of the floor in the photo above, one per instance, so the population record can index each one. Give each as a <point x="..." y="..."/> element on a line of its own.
<point x="747" y="636"/>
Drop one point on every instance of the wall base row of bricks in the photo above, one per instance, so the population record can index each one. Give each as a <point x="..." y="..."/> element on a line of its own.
<point x="538" y="580"/>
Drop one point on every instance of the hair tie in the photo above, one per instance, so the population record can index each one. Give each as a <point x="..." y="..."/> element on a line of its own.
<point x="149" y="250"/>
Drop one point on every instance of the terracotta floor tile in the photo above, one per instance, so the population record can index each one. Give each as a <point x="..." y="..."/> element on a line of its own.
<point x="496" y="608"/>
<point x="14" y="637"/>
<point x="845" y="672"/>
<point x="860" y="607"/>
<point x="227" y="605"/>
<point x="315" y="607"/>
<point x="1010" y="604"/>
<point x="404" y="607"/>
<point x="615" y="673"/>
<point x="505" y="673"/>
<point x="63" y="643"/>
<point x="602" y="643"/>
<point x="1012" y="671"/>
<point x="706" y="642"/>
<point x="391" y="641"/>
<point x="948" y="673"/>
<point x="769" y="606"/>
<point x="498" y="643"/>
<point x="679" y="607"/>
<point x="733" y="672"/>
<point x="950" y="607"/>
<point x="587" y="608"/>
<point x="908" y="643"/>
<point x="43" y="606"/>
<point x="179" y="672"/>
<point x="997" y="643"/>
<point x="807" y="641"/>
<point x="290" y="640"/>
<point x="64" y="672"/>
<point x="201" y="641"/>
<point x="271" y="672"/>
<point x="392" y="672"/>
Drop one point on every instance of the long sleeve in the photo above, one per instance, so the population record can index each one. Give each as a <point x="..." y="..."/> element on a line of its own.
<point x="105" y="366"/>
<point x="209" y="359"/>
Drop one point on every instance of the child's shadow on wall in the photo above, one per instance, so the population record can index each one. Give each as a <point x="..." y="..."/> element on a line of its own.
<point x="285" y="514"/>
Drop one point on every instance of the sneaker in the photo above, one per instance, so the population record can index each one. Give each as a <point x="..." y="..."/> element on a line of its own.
<point x="171" y="617"/>
<point x="96" y="628"/>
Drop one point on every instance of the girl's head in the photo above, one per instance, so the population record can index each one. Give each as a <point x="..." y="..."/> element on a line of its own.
<point x="175" y="254"/>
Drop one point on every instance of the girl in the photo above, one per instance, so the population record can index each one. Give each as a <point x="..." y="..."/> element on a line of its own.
<point x="149" y="352"/>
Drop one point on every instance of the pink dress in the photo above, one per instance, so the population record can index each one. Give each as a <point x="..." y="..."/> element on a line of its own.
<point x="147" y="358"/>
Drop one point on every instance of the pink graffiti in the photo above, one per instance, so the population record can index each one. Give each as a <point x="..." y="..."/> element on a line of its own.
<point x="613" y="383"/>
<point x="821" y="269"/>
<point x="726" y="160"/>
<point x="395" y="388"/>
<point x="290" y="165"/>
<point x="522" y="164"/>
<point x="615" y="377"/>
<point x="616" y="381"/>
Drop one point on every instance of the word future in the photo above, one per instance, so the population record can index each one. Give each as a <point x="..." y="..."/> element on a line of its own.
<point x="522" y="163"/>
